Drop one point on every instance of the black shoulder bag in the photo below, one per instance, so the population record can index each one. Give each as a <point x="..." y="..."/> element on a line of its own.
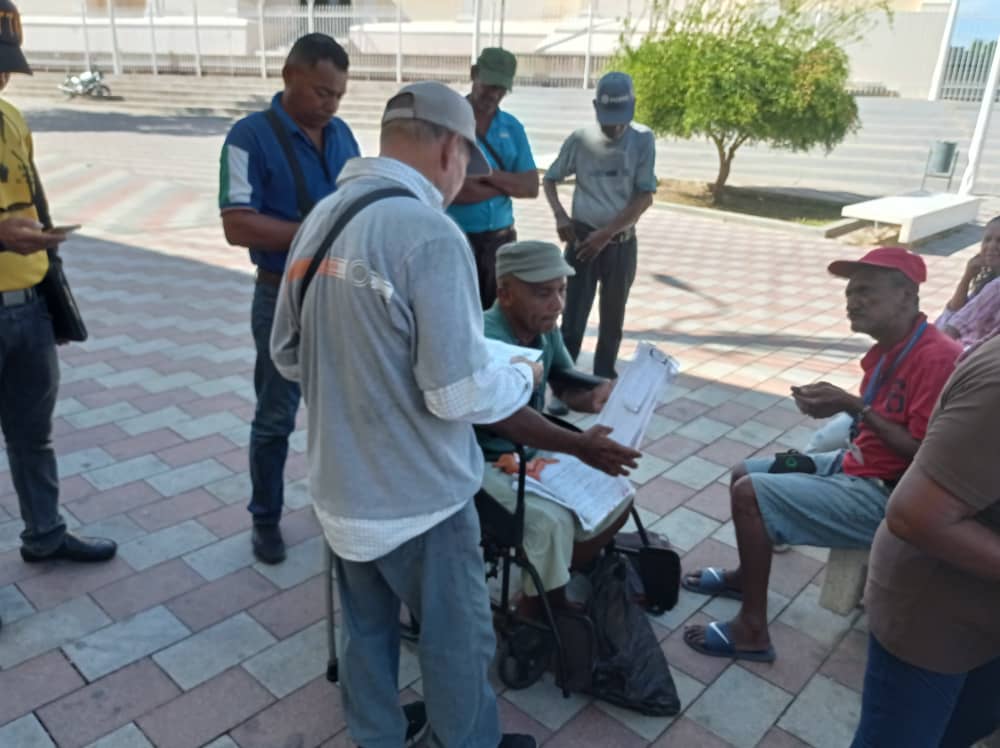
<point x="302" y="197"/>
<point x="67" y="324"/>
<point x="493" y="152"/>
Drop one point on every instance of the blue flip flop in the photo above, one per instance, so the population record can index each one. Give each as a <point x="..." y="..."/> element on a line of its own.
<point x="711" y="582"/>
<point x="719" y="643"/>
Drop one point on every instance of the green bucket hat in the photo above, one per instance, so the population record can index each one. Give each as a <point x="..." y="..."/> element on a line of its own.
<point x="532" y="262"/>
<point x="496" y="67"/>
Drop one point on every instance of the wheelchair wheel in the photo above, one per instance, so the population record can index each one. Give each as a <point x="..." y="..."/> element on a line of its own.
<point x="524" y="655"/>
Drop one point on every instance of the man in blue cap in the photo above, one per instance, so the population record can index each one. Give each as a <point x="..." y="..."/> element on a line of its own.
<point x="483" y="209"/>
<point x="613" y="161"/>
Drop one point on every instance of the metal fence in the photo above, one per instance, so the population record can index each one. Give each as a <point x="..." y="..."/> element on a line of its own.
<point x="382" y="42"/>
<point x="967" y="71"/>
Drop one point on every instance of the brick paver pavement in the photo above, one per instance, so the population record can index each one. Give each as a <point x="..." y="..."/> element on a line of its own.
<point x="185" y="641"/>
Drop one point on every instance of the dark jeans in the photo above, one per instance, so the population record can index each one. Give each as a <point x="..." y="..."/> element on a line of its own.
<point x="614" y="270"/>
<point x="274" y="419"/>
<point x="905" y="706"/>
<point x="484" y="250"/>
<point x="29" y="384"/>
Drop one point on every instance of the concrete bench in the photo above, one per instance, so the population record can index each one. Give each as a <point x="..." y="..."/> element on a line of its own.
<point x="846" y="571"/>
<point x="918" y="214"/>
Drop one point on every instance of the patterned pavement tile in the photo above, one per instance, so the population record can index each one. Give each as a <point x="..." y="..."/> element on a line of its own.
<point x="751" y="706"/>
<point x="26" y="732"/>
<point x="290" y="664"/>
<point x="49" y="629"/>
<point x="165" y="544"/>
<point x="211" y="651"/>
<point x="128" y="736"/>
<point x="125" y="642"/>
<point x="825" y="714"/>
<point x="103" y="706"/>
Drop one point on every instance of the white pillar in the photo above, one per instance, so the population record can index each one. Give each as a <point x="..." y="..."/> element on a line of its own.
<point x="260" y="39"/>
<point x="493" y="23"/>
<point x="503" y="13"/>
<point x="982" y="126"/>
<point x="943" y="49"/>
<point x="116" y="63"/>
<point x="477" y="11"/>
<point x="399" y="41"/>
<point x="86" y="41"/>
<point x="590" y="40"/>
<point x="152" y="39"/>
<point x="310" y="16"/>
<point x="197" y="38"/>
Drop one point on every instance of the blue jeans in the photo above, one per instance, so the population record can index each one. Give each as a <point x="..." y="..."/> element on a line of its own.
<point x="29" y="384"/>
<point x="440" y="577"/>
<point x="905" y="706"/>
<point x="274" y="419"/>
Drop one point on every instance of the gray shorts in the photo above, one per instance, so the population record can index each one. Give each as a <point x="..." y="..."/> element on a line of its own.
<point x="827" y="508"/>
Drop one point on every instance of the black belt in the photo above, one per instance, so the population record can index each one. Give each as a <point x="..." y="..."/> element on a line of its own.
<point x="488" y="235"/>
<point x="267" y="278"/>
<point x="620" y="238"/>
<point x="18" y="297"/>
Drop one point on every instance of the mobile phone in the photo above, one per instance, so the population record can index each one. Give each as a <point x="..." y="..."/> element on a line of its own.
<point x="63" y="229"/>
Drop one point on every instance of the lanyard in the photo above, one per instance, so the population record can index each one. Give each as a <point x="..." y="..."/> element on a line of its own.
<point x="878" y="379"/>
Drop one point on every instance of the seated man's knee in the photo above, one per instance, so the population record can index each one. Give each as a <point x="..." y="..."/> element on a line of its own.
<point x="739" y="471"/>
<point x="743" y="498"/>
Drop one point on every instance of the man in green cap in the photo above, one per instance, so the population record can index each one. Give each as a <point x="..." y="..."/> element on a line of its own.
<point x="483" y="209"/>
<point x="531" y="293"/>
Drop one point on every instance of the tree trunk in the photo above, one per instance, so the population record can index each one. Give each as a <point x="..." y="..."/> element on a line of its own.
<point x="725" y="165"/>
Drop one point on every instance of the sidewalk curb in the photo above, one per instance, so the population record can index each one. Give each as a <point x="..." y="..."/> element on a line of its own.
<point x="743" y="218"/>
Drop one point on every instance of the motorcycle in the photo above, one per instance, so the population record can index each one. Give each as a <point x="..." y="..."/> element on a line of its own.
<point x="90" y="83"/>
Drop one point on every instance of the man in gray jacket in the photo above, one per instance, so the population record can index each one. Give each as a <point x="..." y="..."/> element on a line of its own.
<point x="388" y="345"/>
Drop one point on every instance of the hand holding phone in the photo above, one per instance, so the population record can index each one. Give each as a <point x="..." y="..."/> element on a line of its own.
<point x="69" y="229"/>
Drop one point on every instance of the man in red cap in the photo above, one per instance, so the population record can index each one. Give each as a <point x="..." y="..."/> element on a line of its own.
<point x="834" y="499"/>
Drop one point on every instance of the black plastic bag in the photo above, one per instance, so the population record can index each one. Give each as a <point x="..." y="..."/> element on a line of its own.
<point x="630" y="670"/>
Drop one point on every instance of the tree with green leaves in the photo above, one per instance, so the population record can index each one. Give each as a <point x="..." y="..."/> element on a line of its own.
<point x="743" y="71"/>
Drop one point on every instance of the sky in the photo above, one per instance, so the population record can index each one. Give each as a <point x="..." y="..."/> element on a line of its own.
<point x="977" y="19"/>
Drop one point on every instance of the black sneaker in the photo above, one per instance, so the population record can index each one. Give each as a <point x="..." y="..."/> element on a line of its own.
<point x="514" y="740"/>
<point x="417" y="726"/>
<point x="268" y="545"/>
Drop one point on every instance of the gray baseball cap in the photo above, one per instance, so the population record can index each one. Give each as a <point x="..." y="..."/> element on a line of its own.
<point x="430" y="101"/>
<point x="532" y="262"/>
<point x="615" y="99"/>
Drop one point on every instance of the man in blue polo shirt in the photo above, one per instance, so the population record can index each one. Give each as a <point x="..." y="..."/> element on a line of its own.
<point x="483" y="209"/>
<point x="275" y="166"/>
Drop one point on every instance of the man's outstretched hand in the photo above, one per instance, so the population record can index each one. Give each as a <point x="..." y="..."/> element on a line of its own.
<point x="822" y="400"/>
<point x="597" y="450"/>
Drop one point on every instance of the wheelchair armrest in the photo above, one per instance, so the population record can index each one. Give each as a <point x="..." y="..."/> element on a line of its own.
<point x="575" y="379"/>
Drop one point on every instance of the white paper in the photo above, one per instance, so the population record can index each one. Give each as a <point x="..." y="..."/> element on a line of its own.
<point x="634" y="398"/>
<point x="590" y="494"/>
<point x="501" y="352"/>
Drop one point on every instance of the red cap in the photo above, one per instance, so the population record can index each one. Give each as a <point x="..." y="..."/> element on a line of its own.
<point x="896" y="258"/>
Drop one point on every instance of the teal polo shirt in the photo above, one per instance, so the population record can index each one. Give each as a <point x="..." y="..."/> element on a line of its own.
<point x="507" y="138"/>
<point x="554" y="357"/>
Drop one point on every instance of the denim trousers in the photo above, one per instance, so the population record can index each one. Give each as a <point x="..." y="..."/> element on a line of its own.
<point x="29" y="385"/>
<point x="274" y="418"/>
<point x="440" y="576"/>
<point x="905" y="706"/>
<point x="614" y="270"/>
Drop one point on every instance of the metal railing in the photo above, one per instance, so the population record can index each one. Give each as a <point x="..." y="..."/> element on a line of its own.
<point x="381" y="41"/>
<point x="967" y="71"/>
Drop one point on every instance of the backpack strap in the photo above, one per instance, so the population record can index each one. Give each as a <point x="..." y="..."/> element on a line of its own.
<point x="302" y="197"/>
<point x="342" y="220"/>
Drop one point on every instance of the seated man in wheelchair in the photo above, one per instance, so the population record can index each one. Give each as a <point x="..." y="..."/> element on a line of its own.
<point x="531" y="291"/>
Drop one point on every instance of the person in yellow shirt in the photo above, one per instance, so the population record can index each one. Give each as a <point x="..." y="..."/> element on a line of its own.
<point x="29" y="367"/>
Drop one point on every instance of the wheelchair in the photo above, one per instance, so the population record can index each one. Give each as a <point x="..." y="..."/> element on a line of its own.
<point x="526" y="647"/>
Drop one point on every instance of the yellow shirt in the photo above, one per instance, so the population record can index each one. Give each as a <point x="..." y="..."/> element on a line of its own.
<point x="17" y="271"/>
